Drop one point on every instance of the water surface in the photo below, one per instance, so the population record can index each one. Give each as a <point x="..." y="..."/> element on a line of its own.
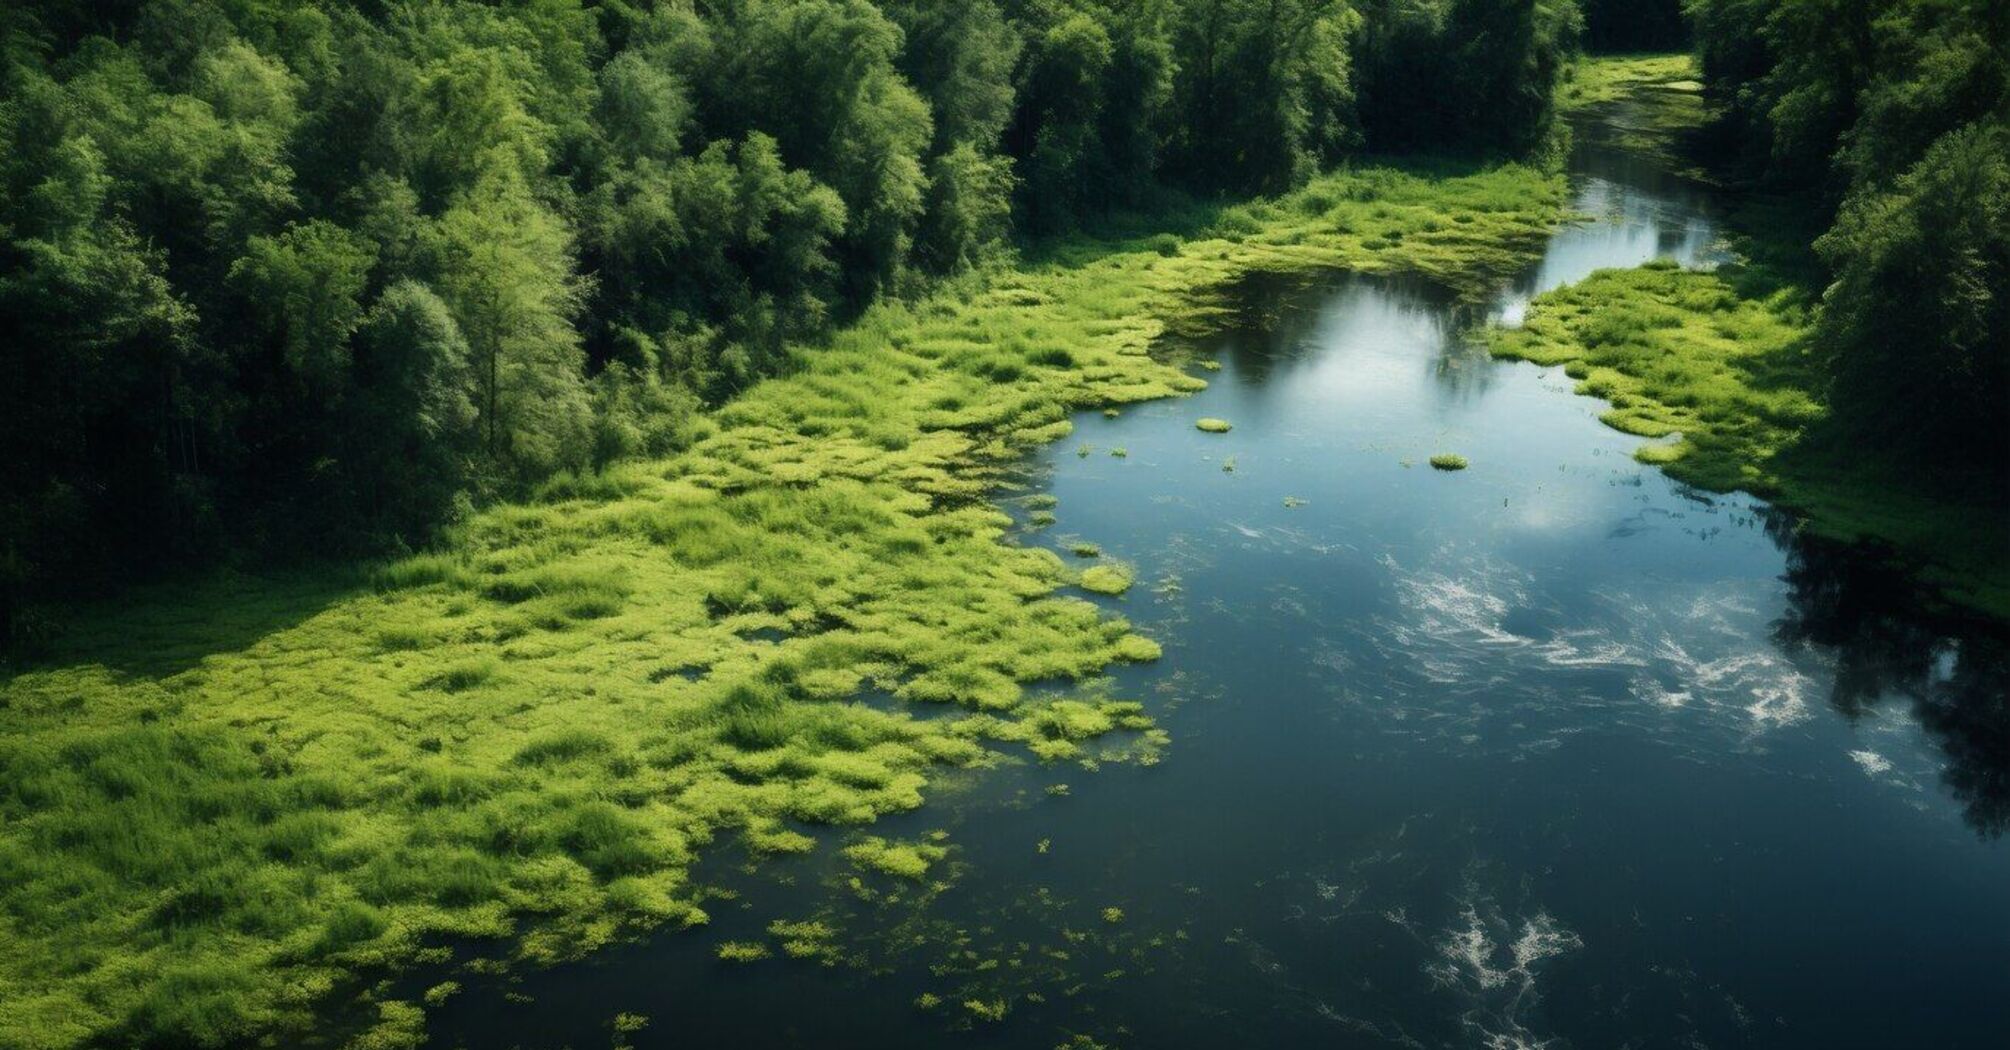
<point x="1550" y="751"/>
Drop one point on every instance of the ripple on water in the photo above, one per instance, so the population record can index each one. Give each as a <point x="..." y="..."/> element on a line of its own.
<point x="1706" y="656"/>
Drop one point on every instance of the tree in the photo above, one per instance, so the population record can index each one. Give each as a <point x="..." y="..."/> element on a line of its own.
<point x="1918" y="319"/>
<point x="304" y="288"/>
<point x="502" y="261"/>
<point x="411" y="423"/>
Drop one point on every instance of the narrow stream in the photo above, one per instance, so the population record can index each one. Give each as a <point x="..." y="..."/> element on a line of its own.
<point x="1547" y="752"/>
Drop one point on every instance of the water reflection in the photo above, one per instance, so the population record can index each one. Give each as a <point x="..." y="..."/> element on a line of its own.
<point x="1865" y="614"/>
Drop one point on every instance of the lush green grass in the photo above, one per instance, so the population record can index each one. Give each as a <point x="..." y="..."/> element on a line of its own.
<point x="1626" y="78"/>
<point x="1652" y="105"/>
<point x="528" y="734"/>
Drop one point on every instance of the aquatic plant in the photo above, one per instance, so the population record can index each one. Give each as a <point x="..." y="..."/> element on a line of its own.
<point x="1213" y="425"/>
<point x="1084" y="549"/>
<point x="1106" y="579"/>
<point x="906" y="860"/>
<point x="1448" y="461"/>
<point x="743" y="951"/>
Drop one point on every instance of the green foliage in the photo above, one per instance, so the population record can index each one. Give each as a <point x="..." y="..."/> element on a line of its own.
<point x="1475" y="74"/>
<point x="333" y="274"/>
<point x="1919" y="314"/>
<point x="1449" y="461"/>
<point x="1900" y="111"/>
<point x="1616" y="26"/>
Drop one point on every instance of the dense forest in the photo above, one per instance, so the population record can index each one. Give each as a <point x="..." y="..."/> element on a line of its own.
<point x="1896" y="113"/>
<point x="284" y="275"/>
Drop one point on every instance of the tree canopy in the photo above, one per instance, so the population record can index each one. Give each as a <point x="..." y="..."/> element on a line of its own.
<point x="286" y="267"/>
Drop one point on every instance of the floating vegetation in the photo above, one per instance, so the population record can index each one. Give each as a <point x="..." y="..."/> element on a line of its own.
<point x="1043" y="501"/>
<point x="1228" y="465"/>
<point x="743" y="951"/>
<point x="1113" y="915"/>
<point x="810" y="939"/>
<point x="1120" y="452"/>
<point x="1448" y="461"/>
<point x="1106" y="579"/>
<point x="1293" y="502"/>
<point x="1213" y="425"/>
<point x="1212" y="366"/>
<point x="905" y="860"/>
<point x="1085" y="451"/>
<point x="1040" y="519"/>
<point x="1085" y="550"/>
<point x="1112" y="413"/>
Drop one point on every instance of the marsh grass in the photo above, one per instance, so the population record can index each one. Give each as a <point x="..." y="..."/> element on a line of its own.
<point x="483" y="743"/>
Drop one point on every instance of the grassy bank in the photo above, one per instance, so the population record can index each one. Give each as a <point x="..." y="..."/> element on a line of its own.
<point x="221" y="805"/>
<point x="1722" y="365"/>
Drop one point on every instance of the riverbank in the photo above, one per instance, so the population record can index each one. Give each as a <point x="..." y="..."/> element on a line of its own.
<point x="1723" y="365"/>
<point x="225" y="805"/>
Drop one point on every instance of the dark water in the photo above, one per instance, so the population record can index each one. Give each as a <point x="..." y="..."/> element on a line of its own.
<point x="1547" y="752"/>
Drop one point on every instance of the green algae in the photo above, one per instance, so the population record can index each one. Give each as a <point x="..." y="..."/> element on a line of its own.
<point x="236" y="796"/>
<point x="1449" y="461"/>
<point x="1213" y="426"/>
<point x="743" y="951"/>
<point x="1106" y="579"/>
<point x="1084" y="549"/>
<point x="905" y="860"/>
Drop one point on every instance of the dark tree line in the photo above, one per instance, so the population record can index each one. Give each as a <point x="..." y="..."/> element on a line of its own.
<point x="1635" y="25"/>
<point x="280" y="274"/>
<point x="1896" y="112"/>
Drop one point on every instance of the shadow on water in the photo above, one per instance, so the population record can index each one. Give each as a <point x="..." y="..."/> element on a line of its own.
<point x="1870" y="619"/>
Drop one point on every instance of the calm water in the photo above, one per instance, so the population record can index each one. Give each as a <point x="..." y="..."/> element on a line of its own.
<point x="1547" y="752"/>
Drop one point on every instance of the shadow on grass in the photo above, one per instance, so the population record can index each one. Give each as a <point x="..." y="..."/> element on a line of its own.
<point x="161" y="628"/>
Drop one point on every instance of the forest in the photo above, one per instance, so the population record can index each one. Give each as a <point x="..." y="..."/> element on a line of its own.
<point x="537" y="315"/>
<point x="281" y="275"/>
<point x="277" y="270"/>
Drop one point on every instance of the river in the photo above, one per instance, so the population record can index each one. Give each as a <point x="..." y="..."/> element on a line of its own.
<point x="1548" y="752"/>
